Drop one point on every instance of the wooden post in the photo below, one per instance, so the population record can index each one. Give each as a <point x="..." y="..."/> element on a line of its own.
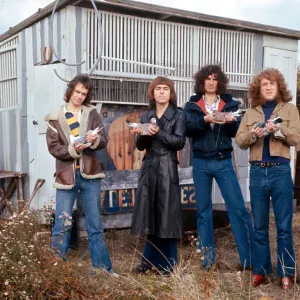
<point x="21" y="202"/>
<point x="1" y="193"/>
<point x="7" y="195"/>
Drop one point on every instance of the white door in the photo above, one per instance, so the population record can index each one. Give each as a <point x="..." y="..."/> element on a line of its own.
<point x="48" y="95"/>
<point x="286" y="62"/>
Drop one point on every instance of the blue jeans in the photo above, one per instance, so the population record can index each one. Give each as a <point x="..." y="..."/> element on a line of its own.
<point x="275" y="183"/>
<point x="160" y="253"/>
<point x="91" y="197"/>
<point x="204" y="170"/>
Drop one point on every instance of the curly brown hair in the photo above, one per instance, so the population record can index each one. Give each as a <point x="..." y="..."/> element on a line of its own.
<point x="86" y="81"/>
<point x="164" y="81"/>
<point x="283" y="95"/>
<point x="203" y="74"/>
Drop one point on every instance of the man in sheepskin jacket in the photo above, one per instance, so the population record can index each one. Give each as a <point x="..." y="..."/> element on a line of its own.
<point x="77" y="168"/>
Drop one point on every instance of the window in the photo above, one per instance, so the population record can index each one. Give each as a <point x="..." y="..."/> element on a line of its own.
<point x="8" y="74"/>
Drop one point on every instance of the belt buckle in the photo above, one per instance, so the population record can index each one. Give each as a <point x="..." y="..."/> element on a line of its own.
<point x="263" y="164"/>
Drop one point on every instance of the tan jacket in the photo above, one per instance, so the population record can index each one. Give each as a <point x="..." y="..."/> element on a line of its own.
<point x="58" y="141"/>
<point x="279" y="145"/>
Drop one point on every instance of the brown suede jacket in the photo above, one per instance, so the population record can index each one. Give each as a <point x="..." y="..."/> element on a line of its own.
<point x="279" y="143"/>
<point x="58" y="141"/>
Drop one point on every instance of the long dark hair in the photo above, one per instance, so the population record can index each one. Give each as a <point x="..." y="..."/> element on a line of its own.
<point x="203" y="74"/>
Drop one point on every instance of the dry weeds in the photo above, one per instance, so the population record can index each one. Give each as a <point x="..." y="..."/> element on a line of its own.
<point x="28" y="270"/>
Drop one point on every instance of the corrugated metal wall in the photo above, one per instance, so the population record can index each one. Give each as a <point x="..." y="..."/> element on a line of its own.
<point x="12" y="132"/>
<point x="179" y="46"/>
<point x="10" y="116"/>
<point x="8" y="74"/>
<point x="34" y="41"/>
<point x="76" y="38"/>
<point x="40" y="36"/>
<point x="135" y="92"/>
<point x="18" y="55"/>
<point x="125" y="40"/>
<point x="10" y="152"/>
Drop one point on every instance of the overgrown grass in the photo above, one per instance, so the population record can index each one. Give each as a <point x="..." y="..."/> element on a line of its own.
<point x="29" y="270"/>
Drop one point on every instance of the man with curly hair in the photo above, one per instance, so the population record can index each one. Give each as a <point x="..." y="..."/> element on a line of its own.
<point x="212" y="148"/>
<point x="270" y="172"/>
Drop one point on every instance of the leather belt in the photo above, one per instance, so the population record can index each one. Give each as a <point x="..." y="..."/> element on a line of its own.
<point x="265" y="164"/>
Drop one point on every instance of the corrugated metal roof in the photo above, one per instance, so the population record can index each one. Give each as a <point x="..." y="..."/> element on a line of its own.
<point x="173" y="14"/>
<point x="161" y="13"/>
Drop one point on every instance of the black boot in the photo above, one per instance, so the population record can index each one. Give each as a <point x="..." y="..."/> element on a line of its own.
<point x="141" y="269"/>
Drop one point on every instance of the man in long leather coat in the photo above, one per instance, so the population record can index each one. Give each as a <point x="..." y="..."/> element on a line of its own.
<point x="157" y="210"/>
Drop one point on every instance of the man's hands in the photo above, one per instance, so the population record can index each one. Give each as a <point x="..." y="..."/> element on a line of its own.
<point x="91" y="138"/>
<point x="136" y="130"/>
<point x="229" y="118"/>
<point x="79" y="147"/>
<point x="153" y="129"/>
<point x="210" y="119"/>
<point x="258" y="132"/>
<point x="270" y="128"/>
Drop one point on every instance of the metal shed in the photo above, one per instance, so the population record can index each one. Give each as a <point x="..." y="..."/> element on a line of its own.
<point x="135" y="42"/>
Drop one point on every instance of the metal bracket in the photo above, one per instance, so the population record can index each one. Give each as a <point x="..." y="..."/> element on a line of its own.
<point x="100" y="55"/>
<point x="76" y="64"/>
